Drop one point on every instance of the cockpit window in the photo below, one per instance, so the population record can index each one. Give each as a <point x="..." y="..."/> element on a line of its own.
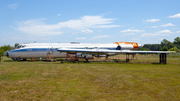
<point x="20" y="46"/>
<point x="23" y="46"/>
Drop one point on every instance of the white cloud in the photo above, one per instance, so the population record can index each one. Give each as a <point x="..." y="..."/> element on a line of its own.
<point x="103" y="36"/>
<point x="175" y="16"/>
<point x="132" y="31"/>
<point x="162" y="33"/>
<point x="74" y="33"/>
<point x="81" y="38"/>
<point x="59" y="14"/>
<point x="152" y="20"/>
<point x="38" y="27"/>
<point x="168" y="24"/>
<point x="154" y="27"/>
<point x="107" y="26"/>
<point x="151" y="34"/>
<point x="160" y="39"/>
<point x="46" y="38"/>
<point x="165" y="25"/>
<point x="135" y="39"/>
<point x="13" y="6"/>
<point x="88" y="22"/>
<point x="87" y="31"/>
<point x="178" y="32"/>
<point x="147" y="34"/>
<point x="127" y="34"/>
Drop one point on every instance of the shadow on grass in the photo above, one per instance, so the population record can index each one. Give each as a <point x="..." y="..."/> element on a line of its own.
<point x="20" y="60"/>
<point x="157" y="63"/>
<point x="84" y="62"/>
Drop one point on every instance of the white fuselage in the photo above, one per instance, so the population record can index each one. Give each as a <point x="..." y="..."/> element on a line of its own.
<point x="39" y="50"/>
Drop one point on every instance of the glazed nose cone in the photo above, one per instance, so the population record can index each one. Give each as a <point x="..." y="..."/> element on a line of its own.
<point x="6" y="53"/>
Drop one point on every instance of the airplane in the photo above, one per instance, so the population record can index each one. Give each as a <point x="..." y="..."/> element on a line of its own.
<point x="62" y="50"/>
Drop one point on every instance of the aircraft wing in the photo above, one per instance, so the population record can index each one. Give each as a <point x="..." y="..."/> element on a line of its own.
<point x="107" y="52"/>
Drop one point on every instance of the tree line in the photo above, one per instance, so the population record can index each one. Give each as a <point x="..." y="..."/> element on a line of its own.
<point x="6" y="48"/>
<point x="164" y="46"/>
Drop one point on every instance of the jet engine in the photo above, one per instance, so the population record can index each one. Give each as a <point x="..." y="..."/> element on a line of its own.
<point x="126" y="45"/>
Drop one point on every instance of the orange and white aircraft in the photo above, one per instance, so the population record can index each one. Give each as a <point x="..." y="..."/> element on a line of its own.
<point x="60" y="50"/>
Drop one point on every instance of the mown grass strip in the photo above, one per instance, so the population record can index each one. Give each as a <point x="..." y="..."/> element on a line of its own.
<point x="88" y="81"/>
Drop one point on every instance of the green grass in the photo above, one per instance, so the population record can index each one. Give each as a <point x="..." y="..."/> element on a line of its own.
<point x="152" y="58"/>
<point x="88" y="81"/>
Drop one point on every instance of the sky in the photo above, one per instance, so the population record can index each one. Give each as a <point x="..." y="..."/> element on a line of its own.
<point x="88" y="21"/>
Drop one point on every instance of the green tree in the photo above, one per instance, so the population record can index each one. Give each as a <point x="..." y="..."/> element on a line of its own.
<point x="1" y="52"/>
<point x="174" y="49"/>
<point x="145" y="49"/>
<point x="4" y="49"/>
<point x="167" y="44"/>
<point x="164" y="48"/>
<point x="177" y="42"/>
<point x="16" y="44"/>
<point x="153" y="47"/>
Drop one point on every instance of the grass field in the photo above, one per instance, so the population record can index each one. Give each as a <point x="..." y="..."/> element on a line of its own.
<point x="88" y="81"/>
<point x="144" y="58"/>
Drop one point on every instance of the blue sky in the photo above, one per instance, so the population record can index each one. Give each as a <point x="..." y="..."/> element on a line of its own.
<point x="88" y="21"/>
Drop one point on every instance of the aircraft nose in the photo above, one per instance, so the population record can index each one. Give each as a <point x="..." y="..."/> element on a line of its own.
<point x="6" y="53"/>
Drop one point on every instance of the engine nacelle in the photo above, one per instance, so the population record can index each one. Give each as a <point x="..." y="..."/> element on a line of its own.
<point x="126" y="45"/>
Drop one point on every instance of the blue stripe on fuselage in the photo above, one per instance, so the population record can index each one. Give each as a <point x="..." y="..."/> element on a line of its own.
<point x="47" y="49"/>
<point x="31" y="50"/>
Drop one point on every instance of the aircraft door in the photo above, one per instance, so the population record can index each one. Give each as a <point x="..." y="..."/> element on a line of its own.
<point x="51" y="49"/>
